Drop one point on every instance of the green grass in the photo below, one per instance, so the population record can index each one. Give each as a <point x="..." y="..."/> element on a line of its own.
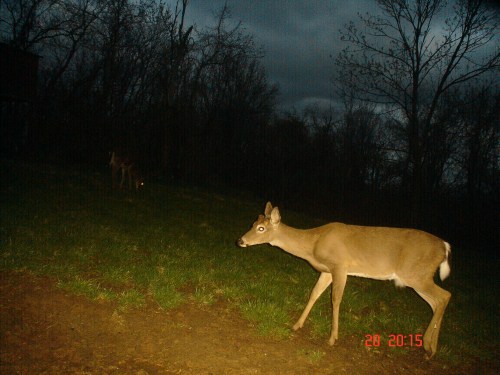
<point x="87" y="288"/>
<point x="171" y="244"/>
<point x="313" y="356"/>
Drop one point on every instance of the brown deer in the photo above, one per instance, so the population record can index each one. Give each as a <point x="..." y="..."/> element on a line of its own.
<point x="410" y="257"/>
<point x="127" y="165"/>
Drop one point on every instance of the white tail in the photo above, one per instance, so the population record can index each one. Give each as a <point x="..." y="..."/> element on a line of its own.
<point x="444" y="267"/>
<point x="409" y="257"/>
<point x="128" y="167"/>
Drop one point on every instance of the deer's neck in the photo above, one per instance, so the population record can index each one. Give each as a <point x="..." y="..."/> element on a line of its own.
<point x="297" y="242"/>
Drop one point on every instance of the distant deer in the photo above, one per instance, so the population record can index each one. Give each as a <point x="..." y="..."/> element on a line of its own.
<point x="123" y="162"/>
<point x="409" y="257"/>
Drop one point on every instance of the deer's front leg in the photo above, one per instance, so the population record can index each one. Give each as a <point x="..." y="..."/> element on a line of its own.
<point x="324" y="280"/>
<point x="339" y="278"/>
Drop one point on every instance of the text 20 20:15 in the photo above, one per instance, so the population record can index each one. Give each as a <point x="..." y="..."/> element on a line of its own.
<point x="396" y="340"/>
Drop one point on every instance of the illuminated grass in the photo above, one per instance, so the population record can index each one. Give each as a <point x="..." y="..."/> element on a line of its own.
<point x="166" y="295"/>
<point x="313" y="356"/>
<point x="204" y="295"/>
<point x="270" y="318"/>
<point x="87" y="288"/>
<point x="131" y="299"/>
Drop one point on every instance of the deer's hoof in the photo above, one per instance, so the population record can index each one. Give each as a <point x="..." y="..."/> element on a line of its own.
<point x="428" y="355"/>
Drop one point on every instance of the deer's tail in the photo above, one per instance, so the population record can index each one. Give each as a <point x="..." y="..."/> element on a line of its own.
<point x="444" y="267"/>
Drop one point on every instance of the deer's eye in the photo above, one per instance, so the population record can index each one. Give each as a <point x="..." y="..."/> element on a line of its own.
<point x="261" y="229"/>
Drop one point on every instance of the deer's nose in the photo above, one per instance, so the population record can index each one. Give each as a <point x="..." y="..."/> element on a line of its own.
<point x="241" y="243"/>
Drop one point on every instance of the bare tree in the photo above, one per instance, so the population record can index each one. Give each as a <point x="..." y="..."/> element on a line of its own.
<point x="400" y="60"/>
<point x="230" y="93"/>
<point x="174" y="76"/>
<point x="478" y="150"/>
<point x="24" y="23"/>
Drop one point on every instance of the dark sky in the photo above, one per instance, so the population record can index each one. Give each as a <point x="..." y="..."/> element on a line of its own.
<point x="299" y="38"/>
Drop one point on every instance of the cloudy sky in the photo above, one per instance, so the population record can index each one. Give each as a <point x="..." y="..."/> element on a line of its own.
<point x="299" y="38"/>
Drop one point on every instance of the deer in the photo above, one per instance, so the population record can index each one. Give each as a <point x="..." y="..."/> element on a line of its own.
<point x="127" y="165"/>
<point x="410" y="257"/>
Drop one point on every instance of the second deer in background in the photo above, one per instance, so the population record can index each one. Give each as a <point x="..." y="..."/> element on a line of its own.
<point x="128" y="166"/>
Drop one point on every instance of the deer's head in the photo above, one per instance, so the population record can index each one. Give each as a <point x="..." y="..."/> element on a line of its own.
<point x="139" y="183"/>
<point x="263" y="230"/>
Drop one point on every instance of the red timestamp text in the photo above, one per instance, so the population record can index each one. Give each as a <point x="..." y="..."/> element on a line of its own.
<point x="395" y="340"/>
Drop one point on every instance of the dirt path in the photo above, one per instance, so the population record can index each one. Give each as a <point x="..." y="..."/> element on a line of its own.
<point x="45" y="330"/>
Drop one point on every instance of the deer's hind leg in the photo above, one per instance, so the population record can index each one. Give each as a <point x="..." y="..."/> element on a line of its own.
<point x="114" y="171"/>
<point x="124" y="175"/>
<point x="438" y="299"/>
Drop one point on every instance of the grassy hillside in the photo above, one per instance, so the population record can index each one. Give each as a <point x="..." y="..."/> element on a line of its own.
<point x="171" y="244"/>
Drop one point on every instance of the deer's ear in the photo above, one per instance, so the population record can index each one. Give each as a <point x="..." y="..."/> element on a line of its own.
<point x="269" y="208"/>
<point x="275" y="216"/>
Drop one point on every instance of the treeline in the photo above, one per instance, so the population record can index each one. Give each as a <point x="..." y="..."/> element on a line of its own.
<point x="120" y="73"/>
<point x="355" y="163"/>
<point x="194" y="104"/>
